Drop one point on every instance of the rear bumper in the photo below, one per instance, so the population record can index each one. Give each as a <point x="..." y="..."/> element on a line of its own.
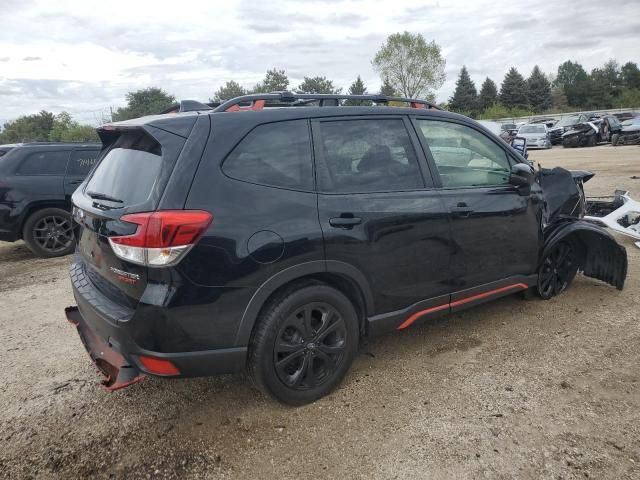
<point x="110" y="344"/>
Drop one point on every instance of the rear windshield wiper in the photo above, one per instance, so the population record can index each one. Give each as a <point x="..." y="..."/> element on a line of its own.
<point x="104" y="196"/>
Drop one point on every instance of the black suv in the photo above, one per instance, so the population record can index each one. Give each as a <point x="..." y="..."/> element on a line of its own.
<point x="36" y="184"/>
<point x="277" y="238"/>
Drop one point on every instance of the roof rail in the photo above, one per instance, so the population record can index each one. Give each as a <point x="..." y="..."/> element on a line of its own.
<point x="258" y="101"/>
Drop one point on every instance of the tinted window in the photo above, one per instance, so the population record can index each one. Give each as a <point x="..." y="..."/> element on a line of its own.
<point x="276" y="154"/>
<point x="129" y="170"/>
<point x="465" y="157"/>
<point x="81" y="162"/>
<point x="44" y="163"/>
<point x="367" y="155"/>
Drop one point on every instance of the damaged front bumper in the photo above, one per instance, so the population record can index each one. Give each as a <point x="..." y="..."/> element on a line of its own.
<point x="118" y="371"/>
<point x="620" y="213"/>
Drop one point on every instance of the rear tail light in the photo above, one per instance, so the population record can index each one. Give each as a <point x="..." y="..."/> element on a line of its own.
<point x="162" y="238"/>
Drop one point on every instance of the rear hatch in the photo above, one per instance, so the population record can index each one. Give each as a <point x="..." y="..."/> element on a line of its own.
<point x="129" y="178"/>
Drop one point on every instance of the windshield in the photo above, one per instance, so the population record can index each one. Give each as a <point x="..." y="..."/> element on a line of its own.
<point x="127" y="173"/>
<point x="567" y="121"/>
<point x="532" y="129"/>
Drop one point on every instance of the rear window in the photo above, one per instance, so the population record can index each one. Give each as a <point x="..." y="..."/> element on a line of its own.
<point x="129" y="170"/>
<point x="44" y="163"/>
<point x="274" y="154"/>
<point x="81" y="162"/>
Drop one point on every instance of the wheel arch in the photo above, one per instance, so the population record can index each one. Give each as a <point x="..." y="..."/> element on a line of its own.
<point x="600" y="256"/>
<point x="339" y="275"/>
<point x="33" y="207"/>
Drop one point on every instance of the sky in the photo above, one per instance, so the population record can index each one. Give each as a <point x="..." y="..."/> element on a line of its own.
<point x="83" y="56"/>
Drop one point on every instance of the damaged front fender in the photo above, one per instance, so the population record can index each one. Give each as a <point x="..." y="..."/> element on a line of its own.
<point x="600" y="256"/>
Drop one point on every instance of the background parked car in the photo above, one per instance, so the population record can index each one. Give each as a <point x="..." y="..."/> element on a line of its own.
<point x="36" y="183"/>
<point x="629" y="133"/>
<point x="537" y="135"/>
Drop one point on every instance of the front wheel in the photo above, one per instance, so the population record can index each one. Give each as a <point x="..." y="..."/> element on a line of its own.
<point x="558" y="269"/>
<point x="49" y="233"/>
<point x="304" y="344"/>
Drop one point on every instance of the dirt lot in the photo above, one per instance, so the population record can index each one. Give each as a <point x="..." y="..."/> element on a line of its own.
<point x="514" y="388"/>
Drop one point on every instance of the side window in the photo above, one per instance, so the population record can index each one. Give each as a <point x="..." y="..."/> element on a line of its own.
<point x="275" y="154"/>
<point x="367" y="156"/>
<point x="81" y="162"/>
<point x="465" y="157"/>
<point x="44" y="163"/>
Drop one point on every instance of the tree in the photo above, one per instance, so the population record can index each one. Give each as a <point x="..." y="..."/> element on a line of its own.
<point x="574" y="81"/>
<point x="388" y="89"/>
<point x="513" y="91"/>
<point x="65" y="129"/>
<point x="317" y="85"/>
<point x="147" y="101"/>
<point x="465" y="96"/>
<point x="488" y="94"/>
<point x="229" y="90"/>
<point x="539" y="91"/>
<point x="559" y="101"/>
<point x="28" y="128"/>
<point x="411" y="65"/>
<point x="599" y="92"/>
<point x="274" y="81"/>
<point x="357" y="88"/>
<point x="630" y="75"/>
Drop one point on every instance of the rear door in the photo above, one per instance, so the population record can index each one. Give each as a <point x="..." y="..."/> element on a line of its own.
<point x="130" y="178"/>
<point x="80" y="163"/>
<point x="494" y="226"/>
<point x="378" y="212"/>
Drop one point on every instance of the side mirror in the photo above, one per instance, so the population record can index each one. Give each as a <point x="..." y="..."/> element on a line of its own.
<point x="522" y="176"/>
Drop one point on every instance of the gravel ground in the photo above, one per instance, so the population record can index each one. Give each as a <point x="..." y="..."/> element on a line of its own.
<point x="513" y="388"/>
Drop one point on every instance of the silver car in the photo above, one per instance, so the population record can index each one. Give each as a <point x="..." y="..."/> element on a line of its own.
<point x="537" y="135"/>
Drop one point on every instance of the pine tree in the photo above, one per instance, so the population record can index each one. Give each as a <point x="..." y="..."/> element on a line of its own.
<point x="357" y="88"/>
<point x="539" y="91"/>
<point x="465" y="96"/>
<point x="387" y="89"/>
<point x="513" y="91"/>
<point x="488" y="94"/>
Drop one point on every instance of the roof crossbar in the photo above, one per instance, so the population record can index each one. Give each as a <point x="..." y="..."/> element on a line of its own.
<point x="258" y="101"/>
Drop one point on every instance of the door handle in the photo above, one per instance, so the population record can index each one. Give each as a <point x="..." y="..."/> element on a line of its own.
<point x="75" y="182"/>
<point x="461" y="212"/>
<point x="345" y="222"/>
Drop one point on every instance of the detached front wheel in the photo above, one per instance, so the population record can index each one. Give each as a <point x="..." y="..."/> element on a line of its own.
<point x="304" y="344"/>
<point x="558" y="269"/>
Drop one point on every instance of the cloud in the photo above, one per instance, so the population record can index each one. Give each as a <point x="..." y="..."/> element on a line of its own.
<point x="32" y="59"/>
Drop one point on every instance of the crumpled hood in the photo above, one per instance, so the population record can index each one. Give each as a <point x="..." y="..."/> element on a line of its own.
<point x="562" y="192"/>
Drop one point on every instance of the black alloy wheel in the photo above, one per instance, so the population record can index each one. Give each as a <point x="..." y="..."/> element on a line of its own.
<point x="557" y="270"/>
<point x="310" y="346"/>
<point x="49" y="233"/>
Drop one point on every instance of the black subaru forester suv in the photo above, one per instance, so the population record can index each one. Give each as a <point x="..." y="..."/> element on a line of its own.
<point x="276" y="238"/>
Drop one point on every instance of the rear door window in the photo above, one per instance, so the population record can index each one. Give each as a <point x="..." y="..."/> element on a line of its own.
<point x="81" y="162"/>
<point x="129" y="169"/>
<point x="368" y="155"/>
<point x="44" y="163"/>
<point x="274" y="154"/>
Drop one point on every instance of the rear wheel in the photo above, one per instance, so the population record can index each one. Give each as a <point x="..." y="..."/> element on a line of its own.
<point x="592" y="141"/>
<point x="557" y="270"/>
<point x="49" y="233"/>
<point x="304" y="344"/>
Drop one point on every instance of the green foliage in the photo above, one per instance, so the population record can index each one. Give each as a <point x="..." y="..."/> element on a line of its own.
<point x="559" y="101"/>
<point x="388" y="89"/>
<point x="539" y="91"/>
<point x="28" y="128"/>
<point x="629" y="98"/>
<point x="513" y="91"/>
<point x="317" y="85"/>
<point x="498" y="110"/>
<point x="488" y="94"/>
<point x="45" y="127"/>
<point x="229" y="90"/>
<point x="574" y="81"/>
<point x="274" y="81"/>
<point x="411" y="65"/>
<point x="357" y="88"/>
<point x="630" y="75"/>
<point x="465" y="96"/>
<point x="148" y="101"/>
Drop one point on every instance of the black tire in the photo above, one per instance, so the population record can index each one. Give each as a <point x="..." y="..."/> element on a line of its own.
<point x="303" y="344"/>
<point x="615" y="138"/>
<point x="558" y="269"/>
<point x="591" y="142"/>
<point x="49" y="233"/>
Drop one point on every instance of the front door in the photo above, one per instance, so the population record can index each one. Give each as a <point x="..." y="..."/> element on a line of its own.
<point x="495" y="227"/>
<point x="379" y="213"/>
